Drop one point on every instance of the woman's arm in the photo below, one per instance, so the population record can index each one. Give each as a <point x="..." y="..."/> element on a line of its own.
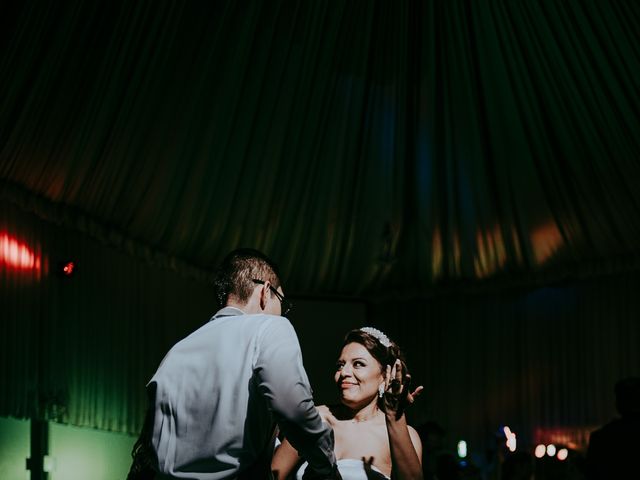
<point x="406" y="450"/>
<point x="284" y="460"/>
<point x="404" y="443"/>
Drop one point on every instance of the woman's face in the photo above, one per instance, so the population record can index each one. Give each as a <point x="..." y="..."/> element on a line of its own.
<point x="358" y="375"/>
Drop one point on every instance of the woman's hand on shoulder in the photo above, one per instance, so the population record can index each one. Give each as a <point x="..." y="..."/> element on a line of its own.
<point x="326" y="414"/>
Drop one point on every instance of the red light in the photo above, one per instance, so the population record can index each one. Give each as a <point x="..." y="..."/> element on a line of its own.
<point x="68" y="268"/>
<point x="16" y="254"/>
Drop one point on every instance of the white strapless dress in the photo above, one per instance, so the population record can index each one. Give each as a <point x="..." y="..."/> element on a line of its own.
<point x="350" y="469"/>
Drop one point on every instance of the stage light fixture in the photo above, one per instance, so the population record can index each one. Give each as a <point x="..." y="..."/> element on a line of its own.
<point x="562" y="455"/>
<point x="511" y="441"/>
<point x="67" y="268"/>
<point x="462" y="449"/>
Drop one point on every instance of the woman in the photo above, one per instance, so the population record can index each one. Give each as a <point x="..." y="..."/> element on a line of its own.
<point x="372" y="438"/>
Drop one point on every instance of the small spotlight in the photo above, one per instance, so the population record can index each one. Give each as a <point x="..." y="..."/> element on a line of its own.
<point x="540" y="451"/>
<point x="511" y="439"/>
<point x="551" y="449"/>
<point x="462" y="449"/>
<point x="563" y="453"/>
<point x="67" y="268"/>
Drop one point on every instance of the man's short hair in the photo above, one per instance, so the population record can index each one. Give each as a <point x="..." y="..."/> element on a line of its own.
<point x="235" y="275"/>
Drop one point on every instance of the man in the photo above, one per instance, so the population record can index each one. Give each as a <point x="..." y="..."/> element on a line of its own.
<point x="219" y="392"/>
<point x="613" y="448"/>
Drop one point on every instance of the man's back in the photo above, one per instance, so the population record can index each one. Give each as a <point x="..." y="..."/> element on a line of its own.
<point x="212" y="419"/>
<point x="217" y="393"/>
<point x="613" y="449"/>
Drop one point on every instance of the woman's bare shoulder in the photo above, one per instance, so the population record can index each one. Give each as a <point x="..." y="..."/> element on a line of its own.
<point x="415" y="439"/>
<point x="327" y="413"/>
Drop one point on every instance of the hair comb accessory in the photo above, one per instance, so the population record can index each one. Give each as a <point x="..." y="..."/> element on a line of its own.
<point x="381" y="337"/>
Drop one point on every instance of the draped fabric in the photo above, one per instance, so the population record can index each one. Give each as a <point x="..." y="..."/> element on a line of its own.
<point x="538" y="360"/>
<point x="380" y="144"/>
<point x="389" y="151"/>
<point x="80" y="350"/>
<point x="526" y="150"/>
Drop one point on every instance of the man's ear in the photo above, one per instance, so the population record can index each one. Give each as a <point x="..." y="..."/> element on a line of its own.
<point x="264" y="291"/>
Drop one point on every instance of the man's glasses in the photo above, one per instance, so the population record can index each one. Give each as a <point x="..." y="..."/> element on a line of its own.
<point x="285" y="304"/>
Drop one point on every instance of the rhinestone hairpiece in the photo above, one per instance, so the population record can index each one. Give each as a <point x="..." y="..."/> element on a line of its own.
<point x="381" y="337"/>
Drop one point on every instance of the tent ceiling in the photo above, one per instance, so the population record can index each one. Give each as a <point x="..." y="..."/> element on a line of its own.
<point x="376" y="147"/>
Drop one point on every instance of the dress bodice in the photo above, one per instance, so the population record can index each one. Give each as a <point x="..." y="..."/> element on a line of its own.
<point x="351" y="469"/>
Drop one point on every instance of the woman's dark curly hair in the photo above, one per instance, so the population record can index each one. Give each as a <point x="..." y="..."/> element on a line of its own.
<point x="384" y="355"/>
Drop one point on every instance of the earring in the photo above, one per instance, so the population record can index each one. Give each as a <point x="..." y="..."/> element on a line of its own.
<point x="381" y="390"/>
